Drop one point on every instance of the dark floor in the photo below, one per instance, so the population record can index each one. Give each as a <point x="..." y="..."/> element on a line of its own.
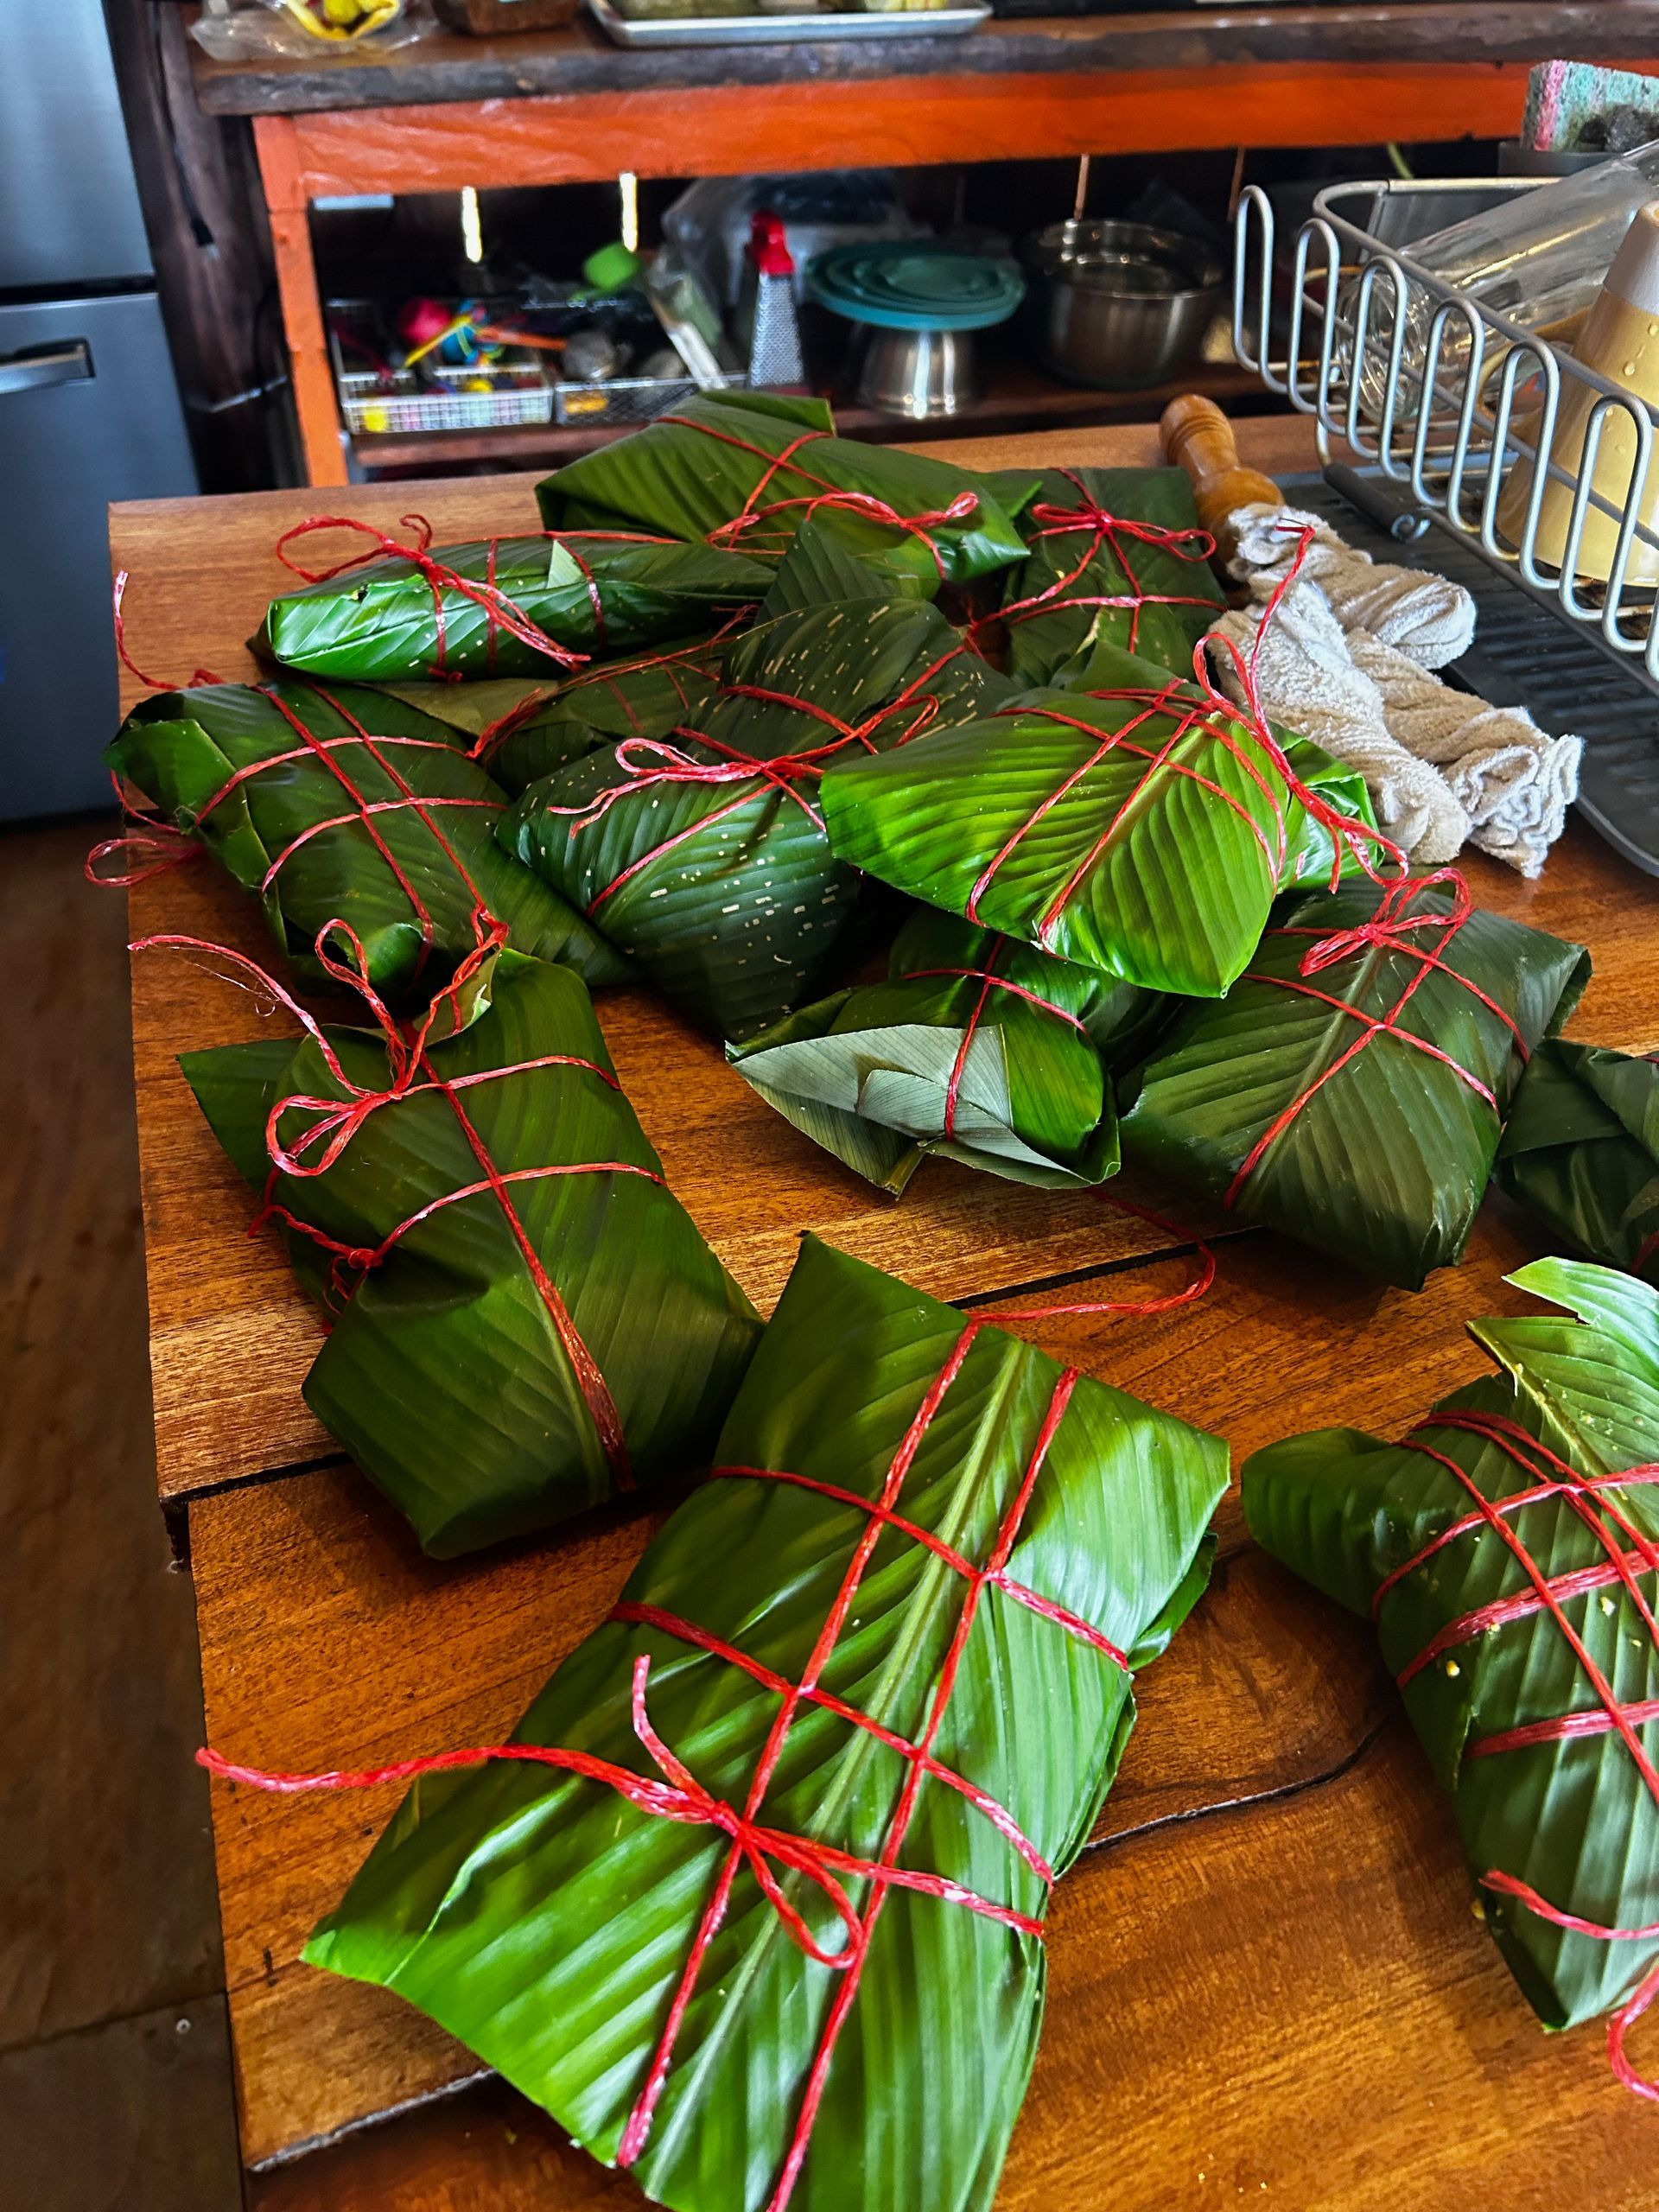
<point x="115" y="2078"/>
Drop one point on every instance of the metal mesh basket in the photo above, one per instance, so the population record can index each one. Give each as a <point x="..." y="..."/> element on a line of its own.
<point x="376" y="403"/>
<point x="518" y="390"/>
<point x="1491" y="430"/>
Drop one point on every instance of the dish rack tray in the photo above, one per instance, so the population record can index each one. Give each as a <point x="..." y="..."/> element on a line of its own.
<point x="1427" y="403"/>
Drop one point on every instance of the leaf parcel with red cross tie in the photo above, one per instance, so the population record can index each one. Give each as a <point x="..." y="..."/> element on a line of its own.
<point x="742" y="471"/>
<point x="1507" y="1550"/>
<point x="526" y="1321"/>
<point x="1350" y="1088"/>
<point x="1142" y="828"/>
<point x="754" y="1902"/>
<point x="520" y="728"/>
<point x="1116" y="559"/>
<point x="703" y="857"/>
<point x="975" y="1048"/>
<point x="500" y="606"/>
<point x="328" y="801"/>
<point x="1581" y="1153"/>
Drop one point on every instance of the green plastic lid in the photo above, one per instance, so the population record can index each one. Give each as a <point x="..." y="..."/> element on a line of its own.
<point x="907" y="284"/>
<point x="612" y="267"/>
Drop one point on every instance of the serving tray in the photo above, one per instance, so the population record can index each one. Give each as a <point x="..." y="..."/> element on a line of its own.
<point x="777" y="29"/>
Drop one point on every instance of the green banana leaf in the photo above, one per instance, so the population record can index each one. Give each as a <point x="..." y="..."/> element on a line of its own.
<point x="975" y="1048"/>
<point x="547" y="1918"/>
<point x="1581" y="1153"/>
<point x="1291" y="1103"/>
<point x="274" y="780"/>
<point x="725" y="890"/>
<point x="836" y="555"/>
<point x="1570" y="1816"/>
<point x="720" y="458"/>
<point x="517" y="1354"/>
<point x="1172" y="594"/>
<point x="522" y="729"/>
<point x="598" y="594"/>
<point x="1098" y="828"/>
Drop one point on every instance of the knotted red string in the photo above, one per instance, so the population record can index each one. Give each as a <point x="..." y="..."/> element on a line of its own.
<point x="1627" y="1553"/>
<point x="330" y="1125"/>
<point x="1392" y="929"/>
<point x="1192" y="545"/>
<point x="679" y="1796"/>
<point x="761" y="1849"/>
<point x="500" y="612"/>
<point x="826" y="494"/>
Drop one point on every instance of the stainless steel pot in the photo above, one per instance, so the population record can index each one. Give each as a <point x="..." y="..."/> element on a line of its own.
<point x="924" y="375"/>
<point x="1122" y="305"/>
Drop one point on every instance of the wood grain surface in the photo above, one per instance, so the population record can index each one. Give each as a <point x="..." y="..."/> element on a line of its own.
<point x="1266" y="1982"/>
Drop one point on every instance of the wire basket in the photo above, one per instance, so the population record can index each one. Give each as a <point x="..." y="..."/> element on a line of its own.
<point x="1488" y="425"/>
<point x="375" y="402"/>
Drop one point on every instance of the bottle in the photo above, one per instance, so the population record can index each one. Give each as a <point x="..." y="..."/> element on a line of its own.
<point x="1620" y="340"/>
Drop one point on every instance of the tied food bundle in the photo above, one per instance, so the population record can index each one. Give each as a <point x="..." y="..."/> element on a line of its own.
<point x="705" y="858"/>
<point x="524" y="1318"/>
<point x="347" y="802"/>
<point x="1142" y="828"/>
<point x="975" y="1048"/>
<point x="1506" y="1551"/>
<point x="499" y="607"/>
<point x="1581" y="1153"/>
<point x="754" y="1902"/>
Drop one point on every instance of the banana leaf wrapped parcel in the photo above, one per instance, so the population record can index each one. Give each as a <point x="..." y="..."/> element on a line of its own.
<point x="526" y="1321"/>
<point x="521" y="728"/>
<point x="1581" y="1153"/>
<point x="1140" y="828"/>
<point x="1351" y="1089"/>
<point x="754" y="1903"/>
<point x="1116" y="559"/>
<point x="1506" y="1550"/>
<point x="347" y="801"/>
<point x="705" y="860"/>
<point x="744" y="470"/>
<point x="500" y="606"/>
<point x="975" y="1048"/>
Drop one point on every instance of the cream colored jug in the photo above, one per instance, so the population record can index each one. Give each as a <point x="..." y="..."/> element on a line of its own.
<point x="1620" y="338"/>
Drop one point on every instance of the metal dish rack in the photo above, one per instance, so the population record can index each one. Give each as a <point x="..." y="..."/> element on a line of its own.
<point x="1430" y="411"/>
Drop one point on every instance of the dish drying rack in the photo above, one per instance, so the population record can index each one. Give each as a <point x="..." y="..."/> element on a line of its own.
<point x="1426" y="403"/>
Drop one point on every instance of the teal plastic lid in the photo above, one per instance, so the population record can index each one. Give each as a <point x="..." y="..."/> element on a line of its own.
<point x="907" y="284"/>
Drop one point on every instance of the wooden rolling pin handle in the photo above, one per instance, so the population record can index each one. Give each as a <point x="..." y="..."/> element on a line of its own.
<point x="1197" y="437"/>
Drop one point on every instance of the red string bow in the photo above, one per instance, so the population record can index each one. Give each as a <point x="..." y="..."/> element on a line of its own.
<point x="680" y="1796"/>
<point x="500" y="612"/>
<point x="1390" y="928"/>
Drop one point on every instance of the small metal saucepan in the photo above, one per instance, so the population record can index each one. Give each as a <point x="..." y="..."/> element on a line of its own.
<point x="1122" y="305"/>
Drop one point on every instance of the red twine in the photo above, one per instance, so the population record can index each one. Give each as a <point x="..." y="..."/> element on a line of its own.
<point x="825" y="494"/>
<point x="759" y="1848"/>
<point x="331" y="1124"/>
<point x="501" y="613"/>
<point x="1392" y="929"/>
<point x="1105" y="529"/>
<point x="1628" y="1553"/>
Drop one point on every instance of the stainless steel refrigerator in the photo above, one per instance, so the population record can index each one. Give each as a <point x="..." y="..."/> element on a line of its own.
<point x="89" y="402"/>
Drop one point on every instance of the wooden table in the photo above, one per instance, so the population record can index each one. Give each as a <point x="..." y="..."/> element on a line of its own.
<point x="1267" y="1979"/>
<point x="559" y="107"/>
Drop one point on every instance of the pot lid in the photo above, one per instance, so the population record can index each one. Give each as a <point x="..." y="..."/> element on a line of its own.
<point x="907" y="285"/>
